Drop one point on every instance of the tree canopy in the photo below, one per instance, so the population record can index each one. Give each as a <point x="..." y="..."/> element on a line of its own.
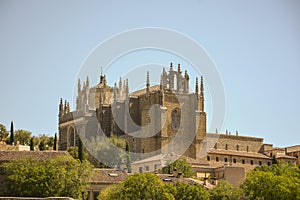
<point x="22" y="136"/>
<point x="61" y="176"/>
<point x="278" y="181"/>
<point x="3" y="133"/>
<point x="181" y="165"/>
<point x="150" y="186"/>
<point x="225" y="190"/>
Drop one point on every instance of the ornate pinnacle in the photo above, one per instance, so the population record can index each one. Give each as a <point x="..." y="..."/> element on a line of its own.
<point x="197" y="87"/>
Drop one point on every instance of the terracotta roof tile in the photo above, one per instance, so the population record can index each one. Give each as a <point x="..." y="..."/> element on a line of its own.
<point x="108" y="176"/>
<point x="238" y="153"/>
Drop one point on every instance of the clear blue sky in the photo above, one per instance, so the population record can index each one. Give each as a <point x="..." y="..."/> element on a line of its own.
<point x="255" y="45"/>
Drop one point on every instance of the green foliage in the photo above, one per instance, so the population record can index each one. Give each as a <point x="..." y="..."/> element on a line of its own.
<point x="80" y="151"/>
<point x="128" y="159"/>
<point x="46" y="140"/>
<point x="42" y="146"/>
<point x="274" y="160"/>
<point x="225" y="190"/>
<point x="190" y="192"/>
<point x="62" y="176"/>
<point x="111" y="151"/>
<point x="180" y="165"/>
<point x="22" y="136"/>
<point x="11" y="137"/>
<point x="149" y="186"/>
<point x="279" y="181"/>
<point x="3" y="133"/>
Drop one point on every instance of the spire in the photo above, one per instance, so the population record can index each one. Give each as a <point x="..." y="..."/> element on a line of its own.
<point x="104" y="80"/>
<point x="61" y="108"/>
<point x="65" y="107"/>
<point x="87" y="82"/>
<point x="127" y="89"/>
<point x="201" y="87"/>
<point x="186" y="76"/>
<point x="79" y="87"/>
<point x="186" y="82"/>
<point x="178" y="69"/>
<point x="197" y="88"/>
<point x="115" y="92"/>
<point x="201" y="99"/>
<point x="124" y="88"/>
<point x="148" y="84"/>
<point x="101" y="75"/>
<point x="68" y="107"/>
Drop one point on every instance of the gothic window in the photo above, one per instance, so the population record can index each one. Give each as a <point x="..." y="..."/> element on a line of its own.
<point x="226" y="146"/>
<point x="234" y="160"/>
<point x="175" y="118"/>
<point x="71" y="136"/>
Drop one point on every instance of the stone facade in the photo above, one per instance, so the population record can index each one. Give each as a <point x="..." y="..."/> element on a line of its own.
<point x="164" y="110"/>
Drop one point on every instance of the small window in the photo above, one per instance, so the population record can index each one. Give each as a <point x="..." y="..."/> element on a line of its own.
<point x="147" y="168"/>
<point x="260" y="163"/>
<point x="155" y="167"/>
<point x="251" y="162"/>
<point x="143" y="150"/>
<point x="113" y="175"/>
<point x="226" y="146"/>
<point x="216" y="145"/>
<point x="226" y="160"/>
<point x="217" y="159"/>
<point x="237" y="147"/>
<point x="247" y="148"/>
<point x="234" y="160"/>
<point x="208" y="158"/>
<point x="140" y="169"/>
<point x="243" y="161"/>
<point x="269" y="163"/>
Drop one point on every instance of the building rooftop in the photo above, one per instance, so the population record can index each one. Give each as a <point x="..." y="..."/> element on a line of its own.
<point x="238" y="153"/>
<point x="109" y="176"/>
<point x="6" y="156"/>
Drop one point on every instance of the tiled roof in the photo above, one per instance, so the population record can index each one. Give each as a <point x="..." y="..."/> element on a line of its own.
<point x="143" y="91"/>
<point x="238" y="153"/>
<point x="171" y="179"/>
<point x="193" y="161"/>
<point x="237" y="137"/>
<point x="108" y="176"/>
<point x="286" y="157"/>
<point x="6" y="156"/>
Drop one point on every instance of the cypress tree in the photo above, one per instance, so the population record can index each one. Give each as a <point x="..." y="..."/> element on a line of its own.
<point x="31" y="144"/>
<point x="80" y="150"/>
<point x="12" y="137"/>
<point x="55" y="141"/>
<point x="274" y="160"/>
<point x="128" y="160"/>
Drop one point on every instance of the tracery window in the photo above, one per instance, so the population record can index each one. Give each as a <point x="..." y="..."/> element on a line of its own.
<point x="176" y="118"/>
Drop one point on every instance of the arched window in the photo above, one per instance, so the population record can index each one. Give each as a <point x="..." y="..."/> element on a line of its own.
<point x="71" y="137"/>
<point x="175" y="118"/>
